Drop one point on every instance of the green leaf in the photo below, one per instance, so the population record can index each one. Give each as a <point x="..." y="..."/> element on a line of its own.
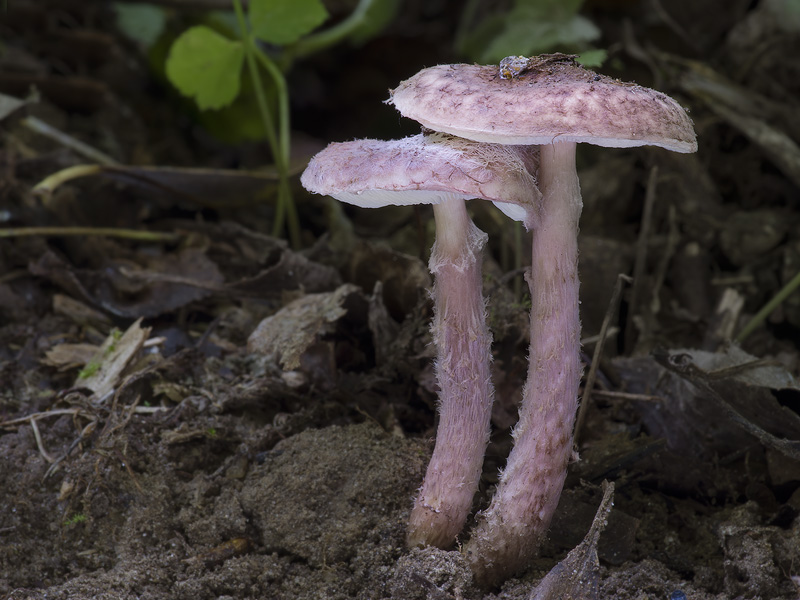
<point x="527" y="37"/>
<point x="140" y="22"/>
<point x="206" y="66"/>
<point x="592" y="58"/>
<point x="241" y="120"/>
<point x="787" y="13"/>
<point x="529" y="27"/>
<point x="578" y="30"/>
<point x="547" y="10"/>
<point x="283" y="22"/>
<point x="473" y="43"/>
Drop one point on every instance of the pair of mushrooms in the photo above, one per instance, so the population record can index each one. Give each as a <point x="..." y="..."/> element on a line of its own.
<point x="507" y="135"/>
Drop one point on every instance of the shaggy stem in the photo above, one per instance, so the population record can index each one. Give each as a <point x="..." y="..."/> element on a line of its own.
<point x="511" y="530"/>
<point x="463" y="345"/>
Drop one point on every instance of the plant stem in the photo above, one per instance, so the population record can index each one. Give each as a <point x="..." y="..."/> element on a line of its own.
<point x="49" y="184"/>
<point x="588" y="388"/>
<point x="279" y="147"/>
<point x="261" y="100"/>
<point x="765" y="311"/>
<point x="42" y="128"/>
<point x="283" y="102"/>
<point x="463" y="29"/>
<point x="284" y="139"/>
<point x="324" y="39"/>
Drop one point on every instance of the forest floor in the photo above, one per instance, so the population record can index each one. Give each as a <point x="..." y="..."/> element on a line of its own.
<point x="208" y="412"/>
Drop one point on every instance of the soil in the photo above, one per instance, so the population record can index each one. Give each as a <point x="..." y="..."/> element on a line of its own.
<point x="213" y="413"/>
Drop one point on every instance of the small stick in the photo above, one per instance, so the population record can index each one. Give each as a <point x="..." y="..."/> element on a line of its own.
<point x="613" y="305"/>
<point x="626" y="396"/>
<point x="640" y="265"/>
<point x="74" y="144"/>
<point x="40" y="443"/>
<point x="593" y="339"/>
<point x="134" y="234"/>
<point x="143" y="410"/>
<point x="39" y="415"/>
<point x="767" y="309"/>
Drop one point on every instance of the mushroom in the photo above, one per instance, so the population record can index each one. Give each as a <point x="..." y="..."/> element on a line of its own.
<point x="444" y="171"/>
<point x="552" y="102"/>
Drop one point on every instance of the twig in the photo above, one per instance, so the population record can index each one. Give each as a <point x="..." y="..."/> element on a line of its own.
<point x="593" y="339"/>
<point x="125" y="463"/>
<point x="613" y="306"/>
<point x="682" y="365"/>
<point x="733" y="370"/>
<point x="667" y="254"/>
<point x="82" y="148"/>
<point x="153" y="277"/>
<point x="39" y="442"/>
<point x="149" y="410"/>
<point x="626" y="396"/>
<point x="675" y="26"/>
<point x="40" y="415"/>
<point x="85" y="433"/>
<point x="743" y="279"/>
<point x="129" y="414"/>
<point x="635" y="49"/>
<point x="767" y="309"/>
<point x="131" y="234"/>
<point x="640" y="264"/>
<point x="75" y="412"/>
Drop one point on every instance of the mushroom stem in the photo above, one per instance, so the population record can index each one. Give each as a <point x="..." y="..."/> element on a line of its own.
<point x="511" y="530"/>
<point x="463" y="345"/>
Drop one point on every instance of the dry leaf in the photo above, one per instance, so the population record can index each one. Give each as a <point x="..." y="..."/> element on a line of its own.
<point x="102" y="373"/>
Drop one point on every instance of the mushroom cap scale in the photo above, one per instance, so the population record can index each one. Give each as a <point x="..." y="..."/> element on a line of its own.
<point x="560" y="101"/>
<point x="425" y="169"/>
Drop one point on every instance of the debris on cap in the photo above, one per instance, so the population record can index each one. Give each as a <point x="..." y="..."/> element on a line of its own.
<point x="514" y="66"/>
